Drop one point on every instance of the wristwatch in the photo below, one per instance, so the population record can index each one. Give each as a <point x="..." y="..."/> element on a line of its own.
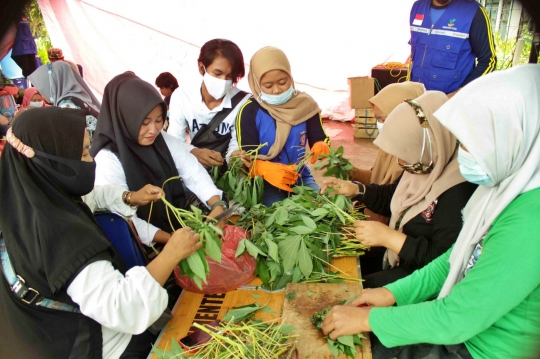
<point x="361" y="188"/>
<point x="219" y="203"/>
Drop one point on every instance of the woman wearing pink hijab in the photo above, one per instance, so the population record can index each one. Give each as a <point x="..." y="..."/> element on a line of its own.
<point x="32" y="98"/>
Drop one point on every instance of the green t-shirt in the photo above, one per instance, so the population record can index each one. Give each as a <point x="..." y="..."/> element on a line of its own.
<point x="494" y="310"/>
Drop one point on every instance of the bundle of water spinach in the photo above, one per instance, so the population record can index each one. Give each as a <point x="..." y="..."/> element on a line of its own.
<point x="335" y="164"/>
<point x="196" y="266"/>
<point x="238" y="183"/>
<point x="295" y="240"/>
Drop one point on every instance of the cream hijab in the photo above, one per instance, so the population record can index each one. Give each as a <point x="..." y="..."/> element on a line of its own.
<point x="497" y="118"/>
<point x="298" y="109"/>
<point x="386" y="170"/>
<point x="402" y="137"/>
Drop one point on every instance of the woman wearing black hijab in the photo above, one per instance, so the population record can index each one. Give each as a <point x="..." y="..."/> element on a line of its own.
<point x="131" y="151"/>
<point x="80" y="304"/>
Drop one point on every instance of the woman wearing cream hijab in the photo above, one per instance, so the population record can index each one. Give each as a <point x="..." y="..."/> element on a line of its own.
<point x="425" y="205"/>
<point x="283" y="117"/>
<point x="385" y="169"/>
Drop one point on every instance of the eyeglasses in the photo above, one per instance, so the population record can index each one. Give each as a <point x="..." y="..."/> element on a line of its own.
<point x="419" y="167"/>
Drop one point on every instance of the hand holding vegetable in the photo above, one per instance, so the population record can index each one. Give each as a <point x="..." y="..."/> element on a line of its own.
<point x="378" y="297"/>
<point x="183" y="243"/>
<point x="319" y="148"/>
<point x="346" y="188"/>
<point x="207" y="158"/>
<point x="145" y="195"/>
<point x="377" y="234"/>
<point x="346" y="320"/>
<point x="277" y="174"/>
<point x="242" y="155"/>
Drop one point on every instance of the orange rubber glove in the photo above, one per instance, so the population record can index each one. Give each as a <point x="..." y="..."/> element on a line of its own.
<point x="277" y="174"/>
<point x="319" y="148"/>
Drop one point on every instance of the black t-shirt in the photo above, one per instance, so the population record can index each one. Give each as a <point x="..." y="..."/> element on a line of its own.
<point x="431" y="232"/>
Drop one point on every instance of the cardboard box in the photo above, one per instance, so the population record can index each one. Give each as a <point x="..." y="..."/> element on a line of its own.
<point x="365" y="127"/>
<point x="364" y="112"/>
<point x="361" y="89"/>
<point x="360" y="132"/>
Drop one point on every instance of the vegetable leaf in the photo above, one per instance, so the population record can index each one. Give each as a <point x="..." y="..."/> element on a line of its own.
<point x="286" y="329"/>
<point x="304" y="260"/>
<point x="302" y="230"/>
<point x="272" y="249"/>
<point x="290" y="296"/>
<point x="347" y="340"/>
<point x="241" y="248"/>
<point x="241" y="313"/>
<point x="288" y="250"/>
<point x="212" y="248"/>
<point x="196" y="265"/>
<point x="253" y="249"/>
<point x="309" y="222"/>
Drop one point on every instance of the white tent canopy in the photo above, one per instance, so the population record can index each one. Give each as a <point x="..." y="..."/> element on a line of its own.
<point x="326" y="41"/>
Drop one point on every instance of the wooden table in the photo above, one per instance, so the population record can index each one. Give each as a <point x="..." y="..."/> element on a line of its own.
<point x="192" y="307"/>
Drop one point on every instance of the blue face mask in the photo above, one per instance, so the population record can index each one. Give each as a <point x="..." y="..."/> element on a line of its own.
<point x="277" y="99"/>
<point x="471" y="170"/>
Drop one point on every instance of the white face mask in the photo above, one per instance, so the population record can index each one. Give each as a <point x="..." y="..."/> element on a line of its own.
<point x="380" y="126"/>
<point x="36" y="104"/>
<point x="217" y="88"/>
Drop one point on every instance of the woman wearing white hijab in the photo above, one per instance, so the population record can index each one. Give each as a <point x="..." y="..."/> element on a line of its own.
<point x="482" y="298"/>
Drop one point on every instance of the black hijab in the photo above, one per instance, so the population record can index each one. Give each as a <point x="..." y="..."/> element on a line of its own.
<point x="126" y="103"/>
<point x="50" y="236"/>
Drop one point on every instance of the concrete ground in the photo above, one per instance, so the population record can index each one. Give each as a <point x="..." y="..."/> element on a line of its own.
<point x="361" y="152"/>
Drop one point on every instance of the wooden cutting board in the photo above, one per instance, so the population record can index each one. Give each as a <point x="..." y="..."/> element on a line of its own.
<point x="311" y="298"/>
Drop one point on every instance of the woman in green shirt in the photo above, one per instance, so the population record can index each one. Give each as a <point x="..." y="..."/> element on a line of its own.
<point x="482" y="298"/>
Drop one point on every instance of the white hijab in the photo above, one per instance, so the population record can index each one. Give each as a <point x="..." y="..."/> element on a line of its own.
<point x="497" y="118"/>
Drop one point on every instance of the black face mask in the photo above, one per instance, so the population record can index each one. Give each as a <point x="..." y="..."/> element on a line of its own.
<point x="443" y="2"/>
<point x="81" y="183"/>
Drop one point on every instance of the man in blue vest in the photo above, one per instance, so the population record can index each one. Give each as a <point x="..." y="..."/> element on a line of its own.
<point x="451" y="44"/>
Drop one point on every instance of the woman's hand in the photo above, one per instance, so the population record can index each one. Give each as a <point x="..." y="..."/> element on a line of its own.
<point x="345" y="188"/>
<point x="183" y="243"/>
<point x="346" y="320"/>
<point x="376" y="234"/>
<point x="215" y="212"/>
<point x="378" y="297"/>
<point x="207" y="158"/>
<point x="145" y="195"/>
<point x="242" y="154"/>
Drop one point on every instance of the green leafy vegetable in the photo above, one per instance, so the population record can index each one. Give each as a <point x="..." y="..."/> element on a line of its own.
<point x="336" y="165"/>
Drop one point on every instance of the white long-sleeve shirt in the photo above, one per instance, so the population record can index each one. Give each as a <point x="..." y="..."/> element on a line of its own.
<point x="108" y="197"/>
<point x="187" y="109"/>
<point x="124" y="306"/>
<point x="109" y="171"/>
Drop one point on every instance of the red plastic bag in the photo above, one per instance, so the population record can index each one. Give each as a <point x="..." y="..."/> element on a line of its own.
<point x="228" y="275"/>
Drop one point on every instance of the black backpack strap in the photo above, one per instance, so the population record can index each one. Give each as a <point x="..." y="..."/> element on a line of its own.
<point x="221" y="115"/>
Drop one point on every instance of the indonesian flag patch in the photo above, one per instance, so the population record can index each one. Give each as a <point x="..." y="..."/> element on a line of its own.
<point x="418" y="19"/>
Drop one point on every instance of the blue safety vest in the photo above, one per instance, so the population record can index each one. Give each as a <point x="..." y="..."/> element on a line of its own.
<point x="295" y="147"/>
<point x="24" y="42"/>
<point x="442" y="55"/>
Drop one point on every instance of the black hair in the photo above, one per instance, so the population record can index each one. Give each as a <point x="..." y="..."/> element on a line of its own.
<point x="227" y="49"/>
<point x="167" y="80"/>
